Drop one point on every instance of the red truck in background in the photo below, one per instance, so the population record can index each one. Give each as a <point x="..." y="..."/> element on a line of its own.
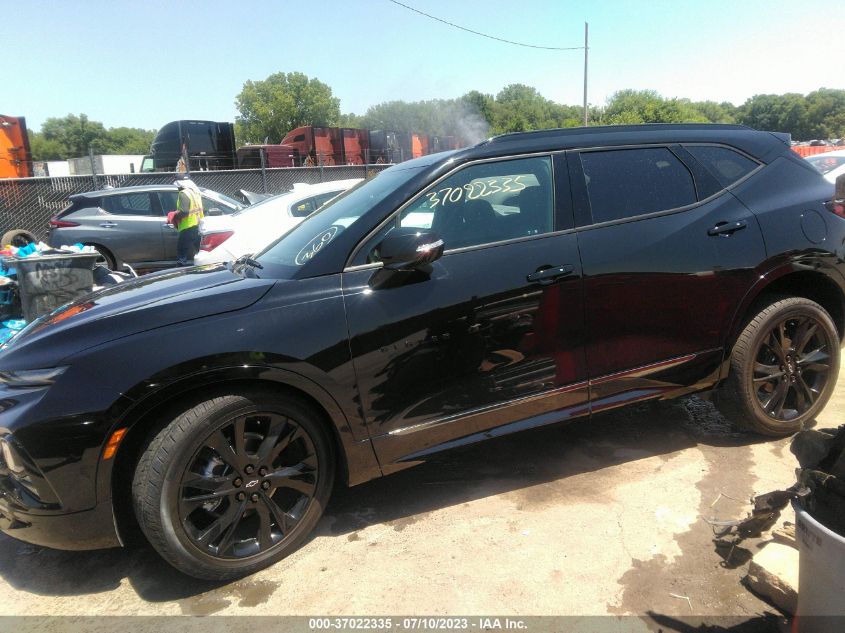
<point x="15" y="157"/>
<point x="249" y="156"/>
<point x="312" y="145"/>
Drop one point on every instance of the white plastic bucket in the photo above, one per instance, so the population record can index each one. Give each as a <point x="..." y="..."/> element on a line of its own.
<point x="821" y="576"/>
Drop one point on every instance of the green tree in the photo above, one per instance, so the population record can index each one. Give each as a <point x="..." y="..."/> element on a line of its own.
<point x="777" y="113"/>
<point x="826" y="113"/>
<point x="128" y="140"/>
<point x="349" y="120"/>
<point x="646" y="106"/>
<point x="483" y="104"/>
<point x="716" y="112"/>
<point x="75" y="134"/>
<point x="46" y="149"/>
<point x="272" y="107"/>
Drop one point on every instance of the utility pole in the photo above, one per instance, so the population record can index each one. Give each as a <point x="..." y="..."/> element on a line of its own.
<point x="586" y="54"/>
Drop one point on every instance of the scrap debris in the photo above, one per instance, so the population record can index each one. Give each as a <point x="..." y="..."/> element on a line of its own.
<point x="820" y="488"/>
<point x="689" y="602"/>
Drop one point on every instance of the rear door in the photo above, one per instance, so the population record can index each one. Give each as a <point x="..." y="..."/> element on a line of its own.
<point x="131" y="226"/>
<point x="668" y="253"/>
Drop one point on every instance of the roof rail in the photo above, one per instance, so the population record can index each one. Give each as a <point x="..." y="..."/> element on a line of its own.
<point x="598" y="129"/>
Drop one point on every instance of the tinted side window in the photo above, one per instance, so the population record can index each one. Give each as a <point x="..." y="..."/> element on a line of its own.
<point x="303" y="208"/>
<point x="484" y="203"/>
<point x="323" y="198"/>
<point x="629" y="182"/>
<point x="211" y="203"/>
<point x="726" y="165"/>
<point x="167" y="201"/>
<point x="129" y="204"/>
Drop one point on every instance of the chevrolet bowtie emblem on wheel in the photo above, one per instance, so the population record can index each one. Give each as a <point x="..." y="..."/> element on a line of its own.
<point x="252" y="483"/>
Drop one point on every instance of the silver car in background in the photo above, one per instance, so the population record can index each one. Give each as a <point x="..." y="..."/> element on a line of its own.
<point x="129" y="224"/>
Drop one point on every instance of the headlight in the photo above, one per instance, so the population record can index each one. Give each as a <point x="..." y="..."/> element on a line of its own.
<point x="31" y="377"/>
<point x="10" y="458"/>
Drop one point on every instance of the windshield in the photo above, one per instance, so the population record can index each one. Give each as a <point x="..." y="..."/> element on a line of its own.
<point x="267" y="203"/>
<point x="304" y="242"/>
<point x="231" y="202"/>
<point x="826" y="164"/>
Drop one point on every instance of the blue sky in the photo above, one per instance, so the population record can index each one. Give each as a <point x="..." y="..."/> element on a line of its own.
<point x="142" y="64"/>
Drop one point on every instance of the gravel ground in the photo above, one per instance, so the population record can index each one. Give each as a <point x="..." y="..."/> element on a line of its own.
<point x="597" y="517"/>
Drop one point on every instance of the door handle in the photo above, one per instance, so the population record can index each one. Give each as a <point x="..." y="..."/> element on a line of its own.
<point x="550" y="274"/>
<point x="108" y="225"/>
<point x="168" y="226"/>
<point x="726" y="229"/>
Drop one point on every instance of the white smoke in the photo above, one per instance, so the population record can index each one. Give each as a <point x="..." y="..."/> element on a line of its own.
<point x="463" y="120"/>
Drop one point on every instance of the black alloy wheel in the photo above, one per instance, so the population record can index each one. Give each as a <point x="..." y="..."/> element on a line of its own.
<point x="784" y="367"/>
<point x="792" y="367"/>
<point x="248" y="485"/>
<point x="234" y="483"/>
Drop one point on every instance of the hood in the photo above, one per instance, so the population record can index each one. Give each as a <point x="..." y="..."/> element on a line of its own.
<point x="142" y="304"/>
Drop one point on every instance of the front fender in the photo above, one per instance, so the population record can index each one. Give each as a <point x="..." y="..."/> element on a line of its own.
<point x="356" y="454"/>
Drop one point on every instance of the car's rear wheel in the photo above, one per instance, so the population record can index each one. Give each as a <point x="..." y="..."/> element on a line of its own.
<point x="105" y="257"/>
<point x="234" y="483"/>
<point x="783" y="368"/>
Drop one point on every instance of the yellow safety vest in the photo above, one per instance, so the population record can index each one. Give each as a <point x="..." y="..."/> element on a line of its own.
<point x="194" y="212"/>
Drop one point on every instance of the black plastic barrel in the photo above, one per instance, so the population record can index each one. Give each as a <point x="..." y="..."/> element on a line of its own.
<point x="50" y="281"/>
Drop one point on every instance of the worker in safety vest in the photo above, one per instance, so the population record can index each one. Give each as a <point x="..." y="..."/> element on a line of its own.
<point x="187" y="220"/>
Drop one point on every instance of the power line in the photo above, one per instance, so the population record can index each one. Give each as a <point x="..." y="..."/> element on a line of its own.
<point x="491" y="37"/>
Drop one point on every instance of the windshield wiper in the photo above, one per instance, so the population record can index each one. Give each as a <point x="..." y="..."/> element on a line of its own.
<point x="249" y="261"/>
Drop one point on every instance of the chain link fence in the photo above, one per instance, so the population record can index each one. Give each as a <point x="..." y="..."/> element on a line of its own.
<point x="29" y="203"/>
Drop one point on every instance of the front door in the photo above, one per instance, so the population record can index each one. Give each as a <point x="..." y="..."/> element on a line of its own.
<point x="131" y="227"/>
<point x="491" y="337"/>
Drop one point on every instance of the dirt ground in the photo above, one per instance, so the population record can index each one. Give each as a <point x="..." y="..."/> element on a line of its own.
<point x="601" y="516"/>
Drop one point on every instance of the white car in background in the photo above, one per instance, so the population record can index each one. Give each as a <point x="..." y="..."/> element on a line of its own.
<point x="225" y="238"/>
<point x="830" y="164"/>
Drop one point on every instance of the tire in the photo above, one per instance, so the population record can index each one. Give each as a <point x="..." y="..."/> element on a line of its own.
<point x="783" y="368"/>
<point x="17" y="237"/>
<point x="106" y="258"/>
<point x="204" y="500"/>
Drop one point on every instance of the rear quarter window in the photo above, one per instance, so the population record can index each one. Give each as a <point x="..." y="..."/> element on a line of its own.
<point x="128" y="204"/>
<point x="726" y="165"/>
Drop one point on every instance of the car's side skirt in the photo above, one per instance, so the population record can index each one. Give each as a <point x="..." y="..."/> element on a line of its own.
<point x="666" y="379"/>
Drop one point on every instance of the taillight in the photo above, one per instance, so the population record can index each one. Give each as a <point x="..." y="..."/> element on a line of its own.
<point x="836" y="207"/>
<point x="56" y="223"/>
<point x="210" y="241"/>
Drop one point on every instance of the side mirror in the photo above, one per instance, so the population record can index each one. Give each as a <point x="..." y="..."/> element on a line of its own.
<point x="214" y="211"/>
<point x="409" y="249"/>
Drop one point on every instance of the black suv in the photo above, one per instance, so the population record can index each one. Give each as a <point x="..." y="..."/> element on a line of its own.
<point x="528" y="280"/>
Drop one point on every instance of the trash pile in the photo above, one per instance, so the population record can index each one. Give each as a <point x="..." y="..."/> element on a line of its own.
<point x="821" y="455"/>
<point x="37" y="278"/>
<point x="820" y="487"/>
<point x="802" y="569"/>
<point x="10" y="328"/>
<point x="39" y="249"/>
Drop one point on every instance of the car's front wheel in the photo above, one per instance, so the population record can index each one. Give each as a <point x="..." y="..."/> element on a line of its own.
<point x="234" y="483"/>
<point x="783" y="367"/>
